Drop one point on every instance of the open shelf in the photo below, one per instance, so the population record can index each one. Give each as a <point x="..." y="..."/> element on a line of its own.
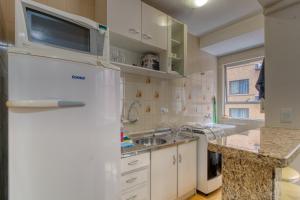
<point x="146" y="72"/>
<point x="177" y="46"/>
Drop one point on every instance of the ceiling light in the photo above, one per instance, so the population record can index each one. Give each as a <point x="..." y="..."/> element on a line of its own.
<point x="199" y="3"/>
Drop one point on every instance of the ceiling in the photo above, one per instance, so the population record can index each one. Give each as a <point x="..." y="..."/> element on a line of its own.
<point x="237" y="44"/>
<point x="214" y="15"/>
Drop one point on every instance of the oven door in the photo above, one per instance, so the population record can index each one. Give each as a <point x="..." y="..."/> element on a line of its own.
<point x="214" y="165"/>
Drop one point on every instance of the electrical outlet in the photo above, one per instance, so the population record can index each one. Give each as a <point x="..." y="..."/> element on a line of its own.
<point x="164" y="110"/>
<point x="286" y="115"/>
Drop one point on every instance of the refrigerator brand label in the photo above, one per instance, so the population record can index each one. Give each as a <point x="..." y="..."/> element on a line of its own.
<point x="78" y="77"/>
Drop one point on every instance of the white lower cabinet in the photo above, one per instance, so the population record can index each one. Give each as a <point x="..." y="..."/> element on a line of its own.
<point x="139" y="193"/>
<point x="174" y="172"/>
<point x="135" y="177"/>
<point x="187" y="168"/>
<point x="135" y="162"/>
<point x="164" y="174"/>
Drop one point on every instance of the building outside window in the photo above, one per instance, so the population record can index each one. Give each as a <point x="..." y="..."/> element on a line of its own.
<point x="241" y="97"/>
<point x="239" y="87"/>
<point x="239" y="113"/>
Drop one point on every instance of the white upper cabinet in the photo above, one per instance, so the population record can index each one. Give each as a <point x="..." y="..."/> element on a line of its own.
<point x="187" y="168"/>
<point x="139" y="28"/>
<point x="177" y="46"/>
<point x="154" y="27"/>
<point x="124" y="17"/>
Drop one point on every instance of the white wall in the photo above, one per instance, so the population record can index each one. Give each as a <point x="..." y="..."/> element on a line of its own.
<point x="245" y="34"/>
<point x="242" y="125"/>
<point x="271" y="6"/>
<point x="198" y="60"/>
<point x="242" y="27"/>
<point x="282" y="66"/>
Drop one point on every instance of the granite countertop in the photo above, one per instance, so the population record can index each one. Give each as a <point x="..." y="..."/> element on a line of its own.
<point x="276" y="146"/>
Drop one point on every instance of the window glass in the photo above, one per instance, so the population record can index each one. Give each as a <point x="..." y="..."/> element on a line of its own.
<point x="241" y="97"/>
<point x="239" y="113"/>
<point x="239" y="87"/>
<point x="48" y="29"/>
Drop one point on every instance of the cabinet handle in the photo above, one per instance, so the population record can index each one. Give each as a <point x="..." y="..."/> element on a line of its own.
<point x="43" y="104"/>
<point x="180" y="158"/>
<point x="170" y="64"/>
<point x="131" y="180"/>
<point x="131" y="30"/>
<point x="132" y="197"/>
<point x="147" y="37"/>
<point x="174" y="160"/>
<point x="134" y="31"/>
<point x="133" y="162"/>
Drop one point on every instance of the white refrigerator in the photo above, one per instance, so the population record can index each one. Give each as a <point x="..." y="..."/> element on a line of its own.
<point x="63" y="129"/>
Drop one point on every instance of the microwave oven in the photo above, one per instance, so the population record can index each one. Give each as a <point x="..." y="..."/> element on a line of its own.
<point x="45" y="29"/>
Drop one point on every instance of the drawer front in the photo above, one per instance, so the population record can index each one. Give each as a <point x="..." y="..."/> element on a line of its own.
<point x="133" y="179"/>
<point x="140" y="193"/>
<point x="135" y="162"/>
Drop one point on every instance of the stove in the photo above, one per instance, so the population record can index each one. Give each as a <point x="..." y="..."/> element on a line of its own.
<point x="209" y="170"/>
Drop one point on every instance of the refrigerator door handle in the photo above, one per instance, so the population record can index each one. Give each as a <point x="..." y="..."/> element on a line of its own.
<point x="43" y="104"/>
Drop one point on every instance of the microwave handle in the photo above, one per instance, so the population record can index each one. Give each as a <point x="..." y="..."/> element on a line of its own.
<point x="43" y="104"/>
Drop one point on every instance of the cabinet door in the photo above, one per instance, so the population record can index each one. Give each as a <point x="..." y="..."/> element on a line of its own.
<point x="164" y="174"/>
<point x="139" y="193"/>
<point x="154" y="27"/>
<point x="177" y="46"/>
<point x="124" y="17"/>
<point x="187" y="168"/>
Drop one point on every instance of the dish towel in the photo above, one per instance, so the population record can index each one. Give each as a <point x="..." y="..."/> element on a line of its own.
<point x="260" y="84"/>
<point x="126" y="144"/>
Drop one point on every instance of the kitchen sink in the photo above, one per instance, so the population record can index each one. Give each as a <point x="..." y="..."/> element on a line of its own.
<point x="181" y="137"/>
<point x="150" y="141"/>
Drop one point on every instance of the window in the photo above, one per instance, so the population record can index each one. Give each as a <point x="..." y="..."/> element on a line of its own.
<point x="239" y="87"/>
<point x="241" y="97"/>
<point x="239" y="113"/>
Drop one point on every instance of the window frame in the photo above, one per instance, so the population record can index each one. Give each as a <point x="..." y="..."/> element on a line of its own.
<point x="224" y="99"/>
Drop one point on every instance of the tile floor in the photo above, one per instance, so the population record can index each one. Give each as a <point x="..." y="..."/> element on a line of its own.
<point x="213" y="196"/>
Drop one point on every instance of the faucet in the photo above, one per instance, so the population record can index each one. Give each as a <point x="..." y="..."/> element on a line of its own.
<point x="132" y="105"/>
<point x="208" y="116"/>
<point x="182" y="127"/>
<point x="190" y="128"/>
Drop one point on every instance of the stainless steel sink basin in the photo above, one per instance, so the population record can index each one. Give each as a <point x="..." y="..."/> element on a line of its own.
<point x="150" y="141"/>
<point x="182" y="136"/>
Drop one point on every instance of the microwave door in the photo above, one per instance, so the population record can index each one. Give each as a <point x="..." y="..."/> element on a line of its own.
<point x="55" y="31"/>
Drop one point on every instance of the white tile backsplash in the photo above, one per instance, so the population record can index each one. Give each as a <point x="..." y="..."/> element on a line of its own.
<point x="187" y="99"/>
